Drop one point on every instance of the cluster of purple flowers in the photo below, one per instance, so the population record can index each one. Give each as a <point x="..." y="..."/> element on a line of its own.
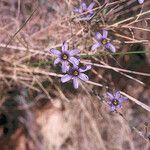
<point x="70" y="65"/>
<point x="102" y="40"/>
<point x="70" y="61"/>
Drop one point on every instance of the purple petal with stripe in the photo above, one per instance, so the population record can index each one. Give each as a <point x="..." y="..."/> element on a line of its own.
<point x="74" y="61"/>
<point x="98" y="36"/>
<point x="83" y="77"/>
<point x="119" y="106"/>
<point x="117" y="95"/>
<point x="76" y="67"/>
<point x="55" y="52"/>
<point x="91" y="6"/>
<point x="83" y="6"/>
<point x="75" y="82"/>
<point x="110" y="47"/>
<point x="87" y="67"/>
<point x="65" y="78"/>
<point x="64" y="66"/>
<point x="122" y="98"/>
<point x="57" y="60"/>
<point x="112" y="108"/>
<point x="105" y="33"/>
<point x="91" y="13"/>
<point x="64" y="47"/>
<point x="95" y="46"/>
<point x="74" y="52"/>
<point x="77" y="10"/>
<point x="111" y="97"/>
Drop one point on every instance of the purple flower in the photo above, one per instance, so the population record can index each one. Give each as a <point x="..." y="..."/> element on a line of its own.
<point x="103" y="40"/>
<point x="115" y="101"/>
<point x="64" y="56"/>
<point x="141" y="1"/>
<point x="75" y="74"/>
<point x="83" y="8"/>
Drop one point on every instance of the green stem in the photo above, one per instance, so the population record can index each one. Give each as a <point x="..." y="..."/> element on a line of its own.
<point x="104" y="53"/>
<point x="44" y="63"/>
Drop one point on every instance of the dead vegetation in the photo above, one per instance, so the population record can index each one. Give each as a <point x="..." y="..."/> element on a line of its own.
<point x="44" y="114"/>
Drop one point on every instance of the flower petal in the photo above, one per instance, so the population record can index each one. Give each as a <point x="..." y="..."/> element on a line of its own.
<point x="74" y="61"/>
<point x="75" y="67"/>
<point x="91" y="6"/>
<point x="98" y="36"/>
<point x="64" y="66"/>
<point x="64" y="47"/>
<point x="77" y="57"/>
<point x="55" y="52"/>
<point x="74" y="52"/>
<point x="111" y="97"/>
<point x="75" y="82"/>
<point x="95" y="46"/>
<point x="105" y="33"/>
<point x="112" y="108"/>
<point x="91" y="13"/>
<point x="87" y="67"/>
<point x="83" y="77"/>
<point x="77" y="10"/>
<point x="119" y="106"/>
<point x="57" y="60"/>
<point x="83" y="6"/>
<point x="117" y="95"/>
<point x="141" y="1"/>
<point x="111" y="47"/>
<point x="65" y="78"/>
<point x="122" y="98"/>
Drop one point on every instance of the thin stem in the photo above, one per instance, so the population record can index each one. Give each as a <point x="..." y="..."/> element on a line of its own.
<point x="104" y="53"/>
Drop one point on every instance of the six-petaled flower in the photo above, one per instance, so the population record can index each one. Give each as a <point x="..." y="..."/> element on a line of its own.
<point x="102" y="40"/>
<point x="115" y="100"/>
<point x="64" y="56"/>
<point x="141" y="1"/>
<point x="75" y="74"/>
<point x="83" y="9"/>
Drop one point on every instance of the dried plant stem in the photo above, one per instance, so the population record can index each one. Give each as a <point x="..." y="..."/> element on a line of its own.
<point x="40" y="71"/>
<point x="22" y="26"/>
<point x="133" y="27"/>
<point x="128" y="19"/>
<point x="115" y="68"/>
<point x="45" y="52"/>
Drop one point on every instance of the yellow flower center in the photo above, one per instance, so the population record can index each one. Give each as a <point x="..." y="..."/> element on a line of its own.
<point x="64" y="57"/>
<point x="75" y="73"/>
<point x="104" y="41"/>
<point x="115" y="102"/>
